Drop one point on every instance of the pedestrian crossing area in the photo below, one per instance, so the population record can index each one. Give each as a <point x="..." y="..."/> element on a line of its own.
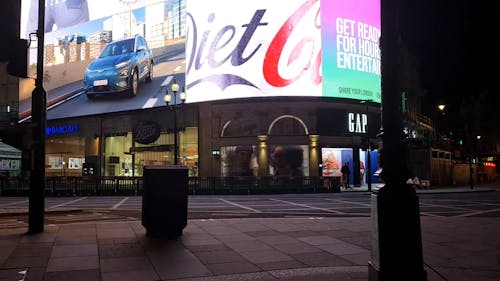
<point x="76" y="209"/>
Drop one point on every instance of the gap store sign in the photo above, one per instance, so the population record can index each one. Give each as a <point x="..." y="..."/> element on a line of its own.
<point x="320" y="48"/>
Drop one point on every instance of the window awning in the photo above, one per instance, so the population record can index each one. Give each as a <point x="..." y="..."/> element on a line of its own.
<point x="7" y="151"/>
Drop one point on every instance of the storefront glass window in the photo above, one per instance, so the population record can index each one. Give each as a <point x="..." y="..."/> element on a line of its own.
<point x="118" y="159"/>
<point x="123" y="157"/>
<point x="65" y="156"/>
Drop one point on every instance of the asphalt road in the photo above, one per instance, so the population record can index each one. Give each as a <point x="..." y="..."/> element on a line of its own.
<point x="315" y="206"/>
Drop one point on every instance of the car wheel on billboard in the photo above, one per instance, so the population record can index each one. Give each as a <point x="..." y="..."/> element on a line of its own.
<point x="149" y="78"/>
<point x="134" y="83"/>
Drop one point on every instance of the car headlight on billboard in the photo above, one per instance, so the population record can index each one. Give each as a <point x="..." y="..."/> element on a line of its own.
<point x="122" y="64"/>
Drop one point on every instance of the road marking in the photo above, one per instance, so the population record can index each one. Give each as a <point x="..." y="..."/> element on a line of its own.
<point x="177" y="68"/>
<point x="150" y="103"/>
<point x="67" y="203"/>
<point x="446" y="207"/>
<point x="482" y="203"/>
<point x="349" y="202"/>
<point x="241" y="206"/>
<point x="431" y="215"/>
<point x="309" y="207"/>
<point x="167" y="81"/>
<point x="476" y="213"/>
<point x="120" y="203"/>
<point x="14" y="203"/>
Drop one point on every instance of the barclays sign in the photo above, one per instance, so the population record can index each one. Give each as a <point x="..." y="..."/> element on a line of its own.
<point x="62" y="130"/>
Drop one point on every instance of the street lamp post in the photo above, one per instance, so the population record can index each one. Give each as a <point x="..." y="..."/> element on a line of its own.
<point x="440" y="120"/>
<point x="36" y="207"/>
<point x="396" y="240"/>
<point x="174" y="106"/>
<point x="368" y="150"/>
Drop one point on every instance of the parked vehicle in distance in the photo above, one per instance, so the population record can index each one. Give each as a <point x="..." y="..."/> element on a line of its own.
<point x="119" y="68"/>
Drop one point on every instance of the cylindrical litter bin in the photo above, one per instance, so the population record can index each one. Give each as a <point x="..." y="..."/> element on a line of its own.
<point x="164" y="200"/>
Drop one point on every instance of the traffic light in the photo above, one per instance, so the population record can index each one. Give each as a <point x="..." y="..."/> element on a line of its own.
<point x="18" y="58"/>
<point x="460" y="142"/>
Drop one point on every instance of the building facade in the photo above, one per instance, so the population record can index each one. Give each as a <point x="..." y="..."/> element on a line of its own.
<point x="247" y="137"/>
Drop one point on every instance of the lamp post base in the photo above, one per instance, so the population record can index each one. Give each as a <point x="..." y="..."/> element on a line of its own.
<point x="396" y="240"/>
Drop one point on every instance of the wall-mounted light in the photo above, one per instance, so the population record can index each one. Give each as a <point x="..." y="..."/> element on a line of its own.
<point x="314" y="140"/>
<point x="262" y="141"/>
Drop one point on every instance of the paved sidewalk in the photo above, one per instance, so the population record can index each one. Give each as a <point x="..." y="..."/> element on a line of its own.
<point x="242" y="249"/>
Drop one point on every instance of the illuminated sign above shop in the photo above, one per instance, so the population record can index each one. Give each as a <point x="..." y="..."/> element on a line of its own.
<point x="61" y="130"/>
<point x="10" y="164"/>
<point x="357" y="123"/>
<point x="146" y="132"/>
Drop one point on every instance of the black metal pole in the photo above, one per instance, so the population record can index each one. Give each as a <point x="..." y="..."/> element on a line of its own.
<point x="38" y="120"/>
<point x="368" y="151"/>
<point x="369" y="167"/>
<point x="471" y="172"/>
<point x="176" y="133"/>
<point x="471" y="169"/>
<point x="396" y="242"/>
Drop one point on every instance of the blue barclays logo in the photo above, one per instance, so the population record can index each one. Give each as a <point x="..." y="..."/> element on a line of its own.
<point x="61" y="130"/>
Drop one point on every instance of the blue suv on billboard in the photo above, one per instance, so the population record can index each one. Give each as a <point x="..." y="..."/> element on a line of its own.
<point x="119" y="68"/>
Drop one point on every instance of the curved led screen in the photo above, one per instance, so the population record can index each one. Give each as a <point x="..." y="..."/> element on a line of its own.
<point x="95" y="51"/>
<point x="221" y="49"/>
<point x="238" y="49"/>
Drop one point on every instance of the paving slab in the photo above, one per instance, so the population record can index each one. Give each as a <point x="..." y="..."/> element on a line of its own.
<point x="271" y="249"/>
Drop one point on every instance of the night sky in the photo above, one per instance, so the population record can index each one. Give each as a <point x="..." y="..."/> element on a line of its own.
<point x="457" y="44"/>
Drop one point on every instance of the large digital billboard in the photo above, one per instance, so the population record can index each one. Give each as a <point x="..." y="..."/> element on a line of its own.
<point x="351" y="55"/>
<point x="327" y="48"/>
<point x="104" y="56"/>
<point x="217" y="50"/>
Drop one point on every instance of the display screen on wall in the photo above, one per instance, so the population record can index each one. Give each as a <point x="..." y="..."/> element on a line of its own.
<point x="351" y="55"/>
<point x="55" y="162"/>
<point x="75" y="163"/>
<point x="216" y="50"/>
<point x="333" y="159"/>
<point x="239" y="160"/>
<point x="289" y="160"/>
<point x="76" y="63"/>
<point x="264" y="48"/>
<point x="363" y="166"/>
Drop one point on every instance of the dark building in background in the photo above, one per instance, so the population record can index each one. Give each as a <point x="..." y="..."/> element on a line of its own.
<point x="247" y="135"/>
<point x="10" y="16"/>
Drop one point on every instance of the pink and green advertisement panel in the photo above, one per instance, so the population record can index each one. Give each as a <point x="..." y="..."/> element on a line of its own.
<point x="350" y="32"/>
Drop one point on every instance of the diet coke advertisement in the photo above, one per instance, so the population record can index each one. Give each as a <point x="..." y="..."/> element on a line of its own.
<point x="239" y="49"/>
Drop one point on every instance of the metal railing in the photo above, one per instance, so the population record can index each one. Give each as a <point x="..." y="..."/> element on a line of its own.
<point x="108" y="186"/>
